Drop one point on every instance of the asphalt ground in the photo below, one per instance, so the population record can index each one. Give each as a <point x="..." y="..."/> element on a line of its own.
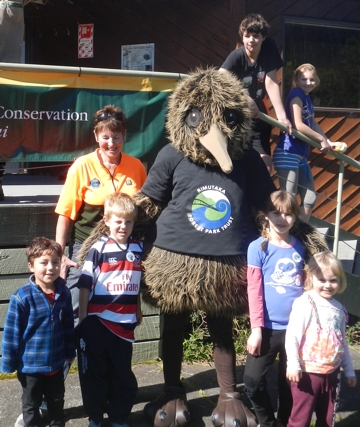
<point x="200" y="382"/>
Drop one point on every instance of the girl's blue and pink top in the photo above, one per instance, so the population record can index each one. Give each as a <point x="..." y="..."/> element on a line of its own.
<point x="275" y="280"/>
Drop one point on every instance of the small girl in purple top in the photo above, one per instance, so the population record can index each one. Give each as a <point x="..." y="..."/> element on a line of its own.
<point x="291" y="154"/>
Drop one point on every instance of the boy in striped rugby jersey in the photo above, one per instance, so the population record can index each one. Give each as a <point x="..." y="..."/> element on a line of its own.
<point x="109" y="311"/>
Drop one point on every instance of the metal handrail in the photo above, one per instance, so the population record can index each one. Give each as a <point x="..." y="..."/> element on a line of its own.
<point x="341" y="157"/>
<point x="88" y="70"/>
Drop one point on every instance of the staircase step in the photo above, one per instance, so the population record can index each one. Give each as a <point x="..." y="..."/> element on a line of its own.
<point x="324" y="231"/>
<point x="356" y="268"/>
<point x="347" y="249"/>
<point x="346" y="253"/>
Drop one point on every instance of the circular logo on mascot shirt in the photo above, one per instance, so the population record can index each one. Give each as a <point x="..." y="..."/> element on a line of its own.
<point x="211" y="211"/>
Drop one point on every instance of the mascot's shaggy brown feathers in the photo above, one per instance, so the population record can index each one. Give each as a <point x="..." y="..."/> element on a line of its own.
<point x="198" y="206"/>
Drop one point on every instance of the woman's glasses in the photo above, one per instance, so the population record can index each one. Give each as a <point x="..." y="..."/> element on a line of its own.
<point x="106" y="115"/>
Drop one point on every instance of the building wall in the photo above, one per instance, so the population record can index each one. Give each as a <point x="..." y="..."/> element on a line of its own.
<point x="192" y="33"/>
<point x="186" y="33"/>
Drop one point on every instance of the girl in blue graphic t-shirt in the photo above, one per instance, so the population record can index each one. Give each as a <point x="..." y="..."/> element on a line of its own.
<point x="291" y="154"/>
<point x="275" y="266"/>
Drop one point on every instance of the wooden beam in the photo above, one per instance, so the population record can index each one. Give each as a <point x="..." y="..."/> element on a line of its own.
<point x="142" y="351"/>
<point x="237" y="14"/>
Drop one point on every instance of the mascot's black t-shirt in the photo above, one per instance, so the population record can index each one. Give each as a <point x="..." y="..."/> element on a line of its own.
<point x="207" y="212"/>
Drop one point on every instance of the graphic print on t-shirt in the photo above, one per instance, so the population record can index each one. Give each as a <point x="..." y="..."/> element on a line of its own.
<point x="307" y="113"/>
<point x="247" y="81"/>
<point x="261" y="77"/>
<point x="285" y="274"/>
<point x="210" y="210"/>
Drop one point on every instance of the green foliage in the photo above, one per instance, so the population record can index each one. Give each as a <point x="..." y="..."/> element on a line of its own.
<point x="241" y="331"/>
<point x="353" y="334"/>
<point x="198" y="346"/>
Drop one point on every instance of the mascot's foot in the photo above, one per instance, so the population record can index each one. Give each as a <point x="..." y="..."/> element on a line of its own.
<point x="231" y="412"/>
<point x="169" y="409"/>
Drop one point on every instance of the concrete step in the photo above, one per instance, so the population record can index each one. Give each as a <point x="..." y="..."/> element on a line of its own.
<point x="324" y="231"/>
<point x="347" y="248"/>
<point x="356" y="268"/>
<point x="346" y="253"/>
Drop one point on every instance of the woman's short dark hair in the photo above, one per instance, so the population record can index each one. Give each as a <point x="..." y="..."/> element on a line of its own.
<point x="110" y="117"/>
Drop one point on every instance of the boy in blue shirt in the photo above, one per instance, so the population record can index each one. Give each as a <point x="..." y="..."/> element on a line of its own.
<point x="39" y="334"/>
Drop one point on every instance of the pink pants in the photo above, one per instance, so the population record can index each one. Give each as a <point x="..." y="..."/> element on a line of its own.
<point x="315" y="393"/>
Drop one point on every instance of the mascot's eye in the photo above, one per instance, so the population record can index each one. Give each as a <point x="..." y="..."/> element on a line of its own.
<point x="232" y="118"/>
<point x="193" y="118"/>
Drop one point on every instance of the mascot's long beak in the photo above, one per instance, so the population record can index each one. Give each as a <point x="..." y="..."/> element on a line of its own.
<point x="216" y="143"/>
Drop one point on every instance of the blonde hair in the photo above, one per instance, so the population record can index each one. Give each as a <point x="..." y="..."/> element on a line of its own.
<point x="278" y="201"/>
<point x="301" y="69"/>
<point x="324" y="261"/>
<point x="120" y="204"/>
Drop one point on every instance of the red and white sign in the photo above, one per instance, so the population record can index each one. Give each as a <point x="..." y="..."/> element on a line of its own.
<point x="86" y="41"/>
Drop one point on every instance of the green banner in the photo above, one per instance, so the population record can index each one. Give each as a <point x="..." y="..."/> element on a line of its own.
<point x="49" y="116"/>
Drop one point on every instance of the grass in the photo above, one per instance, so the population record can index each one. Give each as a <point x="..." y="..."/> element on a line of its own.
<point x="3" y="376"/>
<point x="352" y="420"/>
<point x="198" y="346"/>
<point x="353" y="334"/>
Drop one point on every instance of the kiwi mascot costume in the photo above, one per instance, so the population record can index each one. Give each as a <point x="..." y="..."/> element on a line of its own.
<point x="197" y="208"/>
<point x="199" y="199"/>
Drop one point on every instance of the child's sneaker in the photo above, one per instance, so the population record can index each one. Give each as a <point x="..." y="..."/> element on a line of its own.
<point x="19" y="421"/>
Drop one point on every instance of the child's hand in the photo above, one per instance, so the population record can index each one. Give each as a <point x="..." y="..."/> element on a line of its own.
<point x="294" y="376"/>
<point x="351" y="381"/>
<point x="286" y="122"/>
<point x="66" y="263"/>
<point x="254" y="342"/>
<point x="325" y="146"/>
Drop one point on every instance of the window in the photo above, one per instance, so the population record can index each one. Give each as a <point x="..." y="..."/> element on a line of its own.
<point x="334" y="49"/>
